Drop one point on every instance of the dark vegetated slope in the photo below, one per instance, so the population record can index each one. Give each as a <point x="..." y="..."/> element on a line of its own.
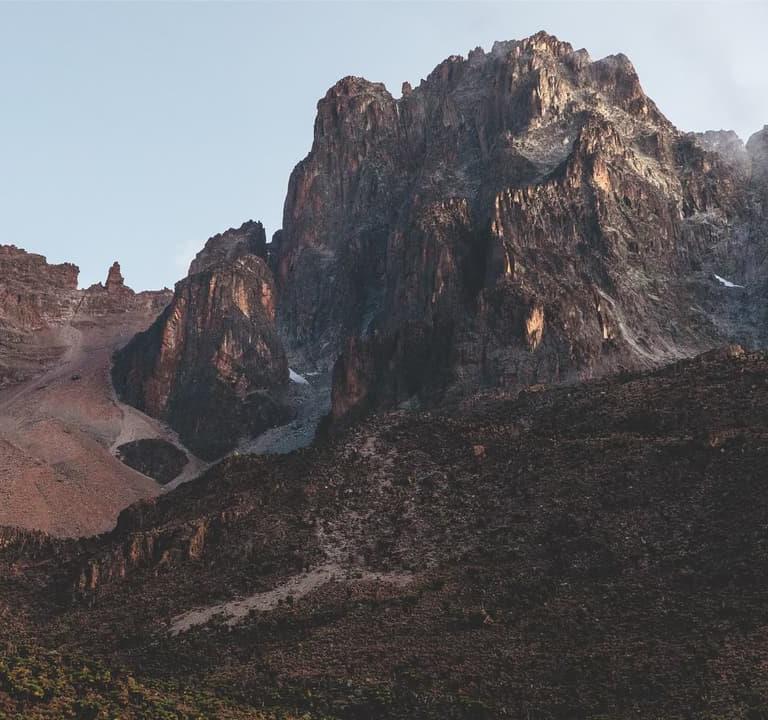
<point x="592" y="550"/>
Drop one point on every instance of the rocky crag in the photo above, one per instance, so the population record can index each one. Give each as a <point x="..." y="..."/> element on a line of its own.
<point x="524" y="215"/>
<point x="212" y="364"/>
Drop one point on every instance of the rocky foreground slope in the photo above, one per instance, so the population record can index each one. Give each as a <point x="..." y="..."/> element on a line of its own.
<point x="591" y="550"/>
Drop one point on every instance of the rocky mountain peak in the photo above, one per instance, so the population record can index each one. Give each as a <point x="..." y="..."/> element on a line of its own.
<point x="521" y="188"/>
<point x="249" y="239"/>
<point x="212" y="365"/>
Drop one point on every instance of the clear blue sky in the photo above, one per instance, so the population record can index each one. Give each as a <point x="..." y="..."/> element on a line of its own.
<point x="133" y="131"/>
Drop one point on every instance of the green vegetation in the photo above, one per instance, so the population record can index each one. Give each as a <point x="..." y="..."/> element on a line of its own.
<point x="37" y="684"/>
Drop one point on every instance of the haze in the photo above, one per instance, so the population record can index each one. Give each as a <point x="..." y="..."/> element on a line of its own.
<point x="135" y="131"/>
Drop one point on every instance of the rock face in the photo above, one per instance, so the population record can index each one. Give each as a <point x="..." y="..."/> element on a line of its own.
<point x="212" y="365"/>
<point x="37" y="299"/>
<point x="34" y="294"/>
<point x="249" y="239"/>
<point x="525" y="215"/>
<point x="33" y="297"/>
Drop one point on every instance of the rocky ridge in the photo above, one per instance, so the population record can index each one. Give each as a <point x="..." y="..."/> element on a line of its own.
<point x="249" y="239"/>
<point x="37" y="299"/>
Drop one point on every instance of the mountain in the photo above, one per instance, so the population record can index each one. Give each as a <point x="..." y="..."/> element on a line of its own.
<point x="525" y="215"/>
<point x="212" y="365"/>
<point x="538" y="493"/>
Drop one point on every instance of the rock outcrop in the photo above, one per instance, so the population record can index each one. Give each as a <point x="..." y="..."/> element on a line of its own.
<point x="38" y="299"/>
<point x="524" y="215"/>
<point x="33" y="296"/>
<point x="33" y="293"/>
<point x="212" y="365"/>
<point x="249" y="239"/>
<point x="115" y="297"/>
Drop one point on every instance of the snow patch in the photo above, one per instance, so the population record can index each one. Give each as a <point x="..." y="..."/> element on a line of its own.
<point x="298" y="379"/>
<point x="726" y="283"/>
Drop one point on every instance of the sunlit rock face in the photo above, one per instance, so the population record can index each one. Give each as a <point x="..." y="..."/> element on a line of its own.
<point x="524" y="215"/>
<point x="212" y="365"/>
<point x="34" y="293"/>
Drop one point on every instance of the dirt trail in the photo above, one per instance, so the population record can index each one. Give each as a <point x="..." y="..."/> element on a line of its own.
<point x="295" y="587"/>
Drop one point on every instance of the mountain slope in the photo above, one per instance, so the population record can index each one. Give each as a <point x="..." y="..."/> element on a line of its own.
<point x="60" y="423"/>
<point x="583" y="551"/>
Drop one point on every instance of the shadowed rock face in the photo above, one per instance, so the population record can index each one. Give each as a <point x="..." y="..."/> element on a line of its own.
<point x="212" y="365"/>
<point x="525" y="215"/>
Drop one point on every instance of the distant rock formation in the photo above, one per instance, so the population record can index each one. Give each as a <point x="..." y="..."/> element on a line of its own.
<point x="37" y="297"/>
<point x="34" y="294"/>
<point x="114" y="296"/>
<point x="212" y="365"/>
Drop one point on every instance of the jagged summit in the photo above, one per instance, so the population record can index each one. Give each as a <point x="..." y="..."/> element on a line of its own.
<point x="211" y="364"/>
<point x="525" y="187"/>
<point x="249" y="239"/>
<point x="115" y="281"/>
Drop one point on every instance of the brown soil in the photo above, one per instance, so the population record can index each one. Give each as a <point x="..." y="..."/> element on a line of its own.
<point x="58" y="472"/>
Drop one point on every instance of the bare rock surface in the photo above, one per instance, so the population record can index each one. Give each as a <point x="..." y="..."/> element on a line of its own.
<point x="249" y="239"/>
<point x="523" y="215"/>
<point x="212" y="365"/>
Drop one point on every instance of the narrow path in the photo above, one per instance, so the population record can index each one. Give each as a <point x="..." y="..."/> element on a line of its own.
<point x="295" y="587"/>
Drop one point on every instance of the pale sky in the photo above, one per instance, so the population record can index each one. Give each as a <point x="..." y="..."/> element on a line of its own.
<point x="134" y="131"/>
